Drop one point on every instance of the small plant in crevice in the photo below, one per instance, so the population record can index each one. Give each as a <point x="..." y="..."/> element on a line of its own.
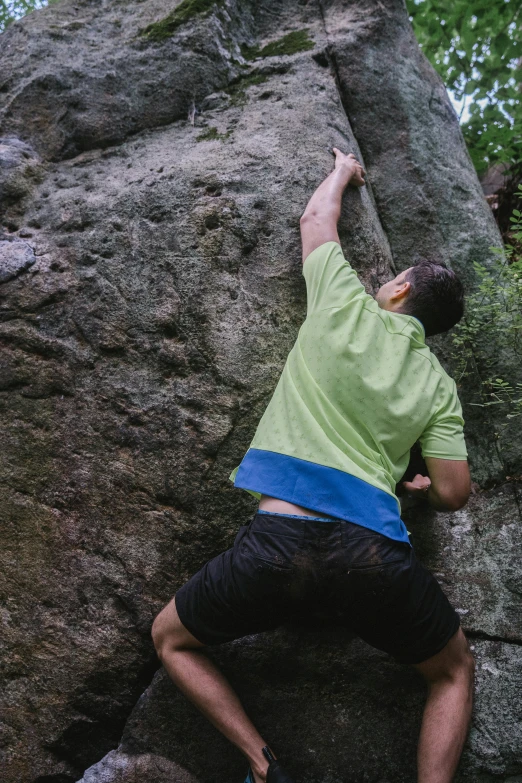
<point x="238" y="89"/>
<point x="494" y="316"/>
<point x="212" y="134"/>
<point x="292" y="43"/>
<point x="184" y="11"/>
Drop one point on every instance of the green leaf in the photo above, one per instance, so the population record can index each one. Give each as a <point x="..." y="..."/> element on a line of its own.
<point x="476" y="47"/>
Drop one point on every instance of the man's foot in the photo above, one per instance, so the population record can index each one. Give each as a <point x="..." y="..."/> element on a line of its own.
<point x="275" y="772"/>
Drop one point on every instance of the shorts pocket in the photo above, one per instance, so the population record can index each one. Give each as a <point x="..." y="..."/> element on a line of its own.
<point x="272" y="549"/>
<point x="374" y="552"/>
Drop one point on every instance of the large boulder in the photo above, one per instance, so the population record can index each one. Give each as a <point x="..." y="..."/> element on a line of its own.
<point x="335" y="708"/>
<point x="162" y="155"/>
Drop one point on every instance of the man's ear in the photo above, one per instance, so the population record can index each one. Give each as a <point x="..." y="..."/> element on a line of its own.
<point x="401" y="291"/>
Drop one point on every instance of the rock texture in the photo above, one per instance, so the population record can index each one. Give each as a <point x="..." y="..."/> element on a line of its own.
<point x="155" y="159"/>
<point x="337" y="710"/>
<point x="15" y="257"/>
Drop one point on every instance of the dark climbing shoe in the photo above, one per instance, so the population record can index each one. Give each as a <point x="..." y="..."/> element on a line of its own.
<point x="275" y="772"/>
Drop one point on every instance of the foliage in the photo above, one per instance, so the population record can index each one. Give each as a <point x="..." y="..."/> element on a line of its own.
<point x="494" y="314"/>
<point x="476" y="47"/>
<point x="10" y="11"/>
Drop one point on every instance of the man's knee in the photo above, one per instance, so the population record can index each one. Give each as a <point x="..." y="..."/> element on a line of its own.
<point x="464" y="665"/>
<point x="169" y="634"/>
<point x="165" y="629"/>
<point x="454" y="662"/>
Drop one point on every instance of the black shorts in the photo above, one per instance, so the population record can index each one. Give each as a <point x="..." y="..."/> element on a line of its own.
<point x="283" y="569"/>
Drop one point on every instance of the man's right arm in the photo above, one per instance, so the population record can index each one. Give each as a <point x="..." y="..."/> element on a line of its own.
<point x="320" y="218"/>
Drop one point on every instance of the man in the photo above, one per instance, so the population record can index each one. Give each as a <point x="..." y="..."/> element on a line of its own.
<point x="359" y="388"/>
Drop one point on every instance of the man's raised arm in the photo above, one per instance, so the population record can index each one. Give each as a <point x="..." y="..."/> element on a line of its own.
<point x="320" y="218"/>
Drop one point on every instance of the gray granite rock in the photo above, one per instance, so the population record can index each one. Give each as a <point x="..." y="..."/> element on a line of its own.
<point x="19" y="169"/>
<point x="475" y="553"/>
<point x="16" y="256"/>
<point x="82" y="75"/>
<point x="332" y="708"/>
<point x="140" y="351"/>
<point x="118" y="767"/>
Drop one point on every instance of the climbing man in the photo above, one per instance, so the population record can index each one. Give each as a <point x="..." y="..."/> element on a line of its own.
<point x="359" y="388"/>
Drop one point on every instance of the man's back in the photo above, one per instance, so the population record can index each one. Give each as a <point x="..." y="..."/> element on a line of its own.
<point x="360" y="386"/>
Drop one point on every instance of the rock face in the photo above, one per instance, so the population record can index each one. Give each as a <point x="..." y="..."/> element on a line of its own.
<point x="154" y="162"/>
<point x="15" y="257"/>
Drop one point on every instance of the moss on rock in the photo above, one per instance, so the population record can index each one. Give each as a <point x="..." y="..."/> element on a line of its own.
<point x="237" y="90"/>
<point x="187" y="9"/>
<point x="292" y="43"/>
<point x="212" y="134"/>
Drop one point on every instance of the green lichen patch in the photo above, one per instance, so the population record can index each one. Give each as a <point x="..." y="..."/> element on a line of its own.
<point x="237" y="91"/>
<point x="292" y="43"/>
<point x="212" y="134"/>
<point x="187" y="9"/>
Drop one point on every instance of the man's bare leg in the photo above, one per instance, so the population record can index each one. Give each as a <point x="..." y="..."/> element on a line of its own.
<point x="447" y="713"/>
<point x="202" y="682"/>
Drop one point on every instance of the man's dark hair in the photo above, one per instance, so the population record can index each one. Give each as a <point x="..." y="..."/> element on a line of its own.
<point x="436" y="296"/>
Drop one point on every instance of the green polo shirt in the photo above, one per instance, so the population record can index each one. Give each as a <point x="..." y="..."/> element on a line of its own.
<point x="359" y="388"/>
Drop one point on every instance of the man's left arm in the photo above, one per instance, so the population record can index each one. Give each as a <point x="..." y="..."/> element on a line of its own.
<point x="320" y="218"/>
<point x="443" y="447"/>
<point x="448" y="486"/>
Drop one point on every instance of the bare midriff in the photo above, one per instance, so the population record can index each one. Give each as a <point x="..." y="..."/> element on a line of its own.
<point x="268" y="503"/>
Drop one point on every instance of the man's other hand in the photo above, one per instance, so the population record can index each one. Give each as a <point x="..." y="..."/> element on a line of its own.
<point x="352" y="165"/>
<point x="419" y="486"/>
<point x="448" y="486"/>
